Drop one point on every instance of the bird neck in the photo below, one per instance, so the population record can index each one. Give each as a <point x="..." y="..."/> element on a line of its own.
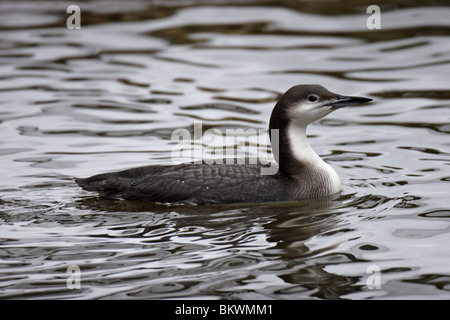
<point x="292" y="151"/>
<point x="298" y="160"/>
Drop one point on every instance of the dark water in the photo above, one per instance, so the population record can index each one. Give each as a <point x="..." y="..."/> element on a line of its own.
<point x="109" y="96"/>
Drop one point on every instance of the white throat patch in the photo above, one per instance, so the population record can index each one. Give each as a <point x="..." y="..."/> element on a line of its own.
<point x="303" y="152"/>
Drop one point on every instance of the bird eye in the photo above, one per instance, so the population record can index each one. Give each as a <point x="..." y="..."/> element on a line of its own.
<point x="313" y="98"/>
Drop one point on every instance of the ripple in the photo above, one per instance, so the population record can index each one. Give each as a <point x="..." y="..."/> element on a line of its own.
<point x="423" y="150"/>
<point x="77" y="103"/>
<point x="221" y="106"/>
<point x="436" y="214"/>
<point x="433" y="94"/>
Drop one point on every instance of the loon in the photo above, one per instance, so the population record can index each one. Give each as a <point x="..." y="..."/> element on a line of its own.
<point x="301" y="174"/>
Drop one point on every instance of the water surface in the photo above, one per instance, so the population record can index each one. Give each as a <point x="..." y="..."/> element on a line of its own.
<point x="74" y="103"/>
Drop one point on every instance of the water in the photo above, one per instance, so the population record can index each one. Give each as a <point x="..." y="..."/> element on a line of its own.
<point x="74" y="103"/>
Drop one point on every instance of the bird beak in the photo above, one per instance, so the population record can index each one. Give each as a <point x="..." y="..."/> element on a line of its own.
<point x="344" y="101"/>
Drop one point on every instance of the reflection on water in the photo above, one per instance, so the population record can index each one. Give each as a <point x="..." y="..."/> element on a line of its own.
<point x="109" y="96"/>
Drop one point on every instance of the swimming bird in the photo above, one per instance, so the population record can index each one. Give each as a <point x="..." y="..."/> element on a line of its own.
<point x="302" y="174"/>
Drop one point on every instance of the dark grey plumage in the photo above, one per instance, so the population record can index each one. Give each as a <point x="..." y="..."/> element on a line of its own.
<point x="191" y="183"/>
<point x="298" y="177"/>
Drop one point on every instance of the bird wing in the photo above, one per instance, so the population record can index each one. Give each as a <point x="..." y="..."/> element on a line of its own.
<point x="204" y="183"/>
<point x="191" y="183"/>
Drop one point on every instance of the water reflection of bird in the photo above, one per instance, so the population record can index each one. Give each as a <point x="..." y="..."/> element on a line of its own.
<point x="301" y="174"/>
